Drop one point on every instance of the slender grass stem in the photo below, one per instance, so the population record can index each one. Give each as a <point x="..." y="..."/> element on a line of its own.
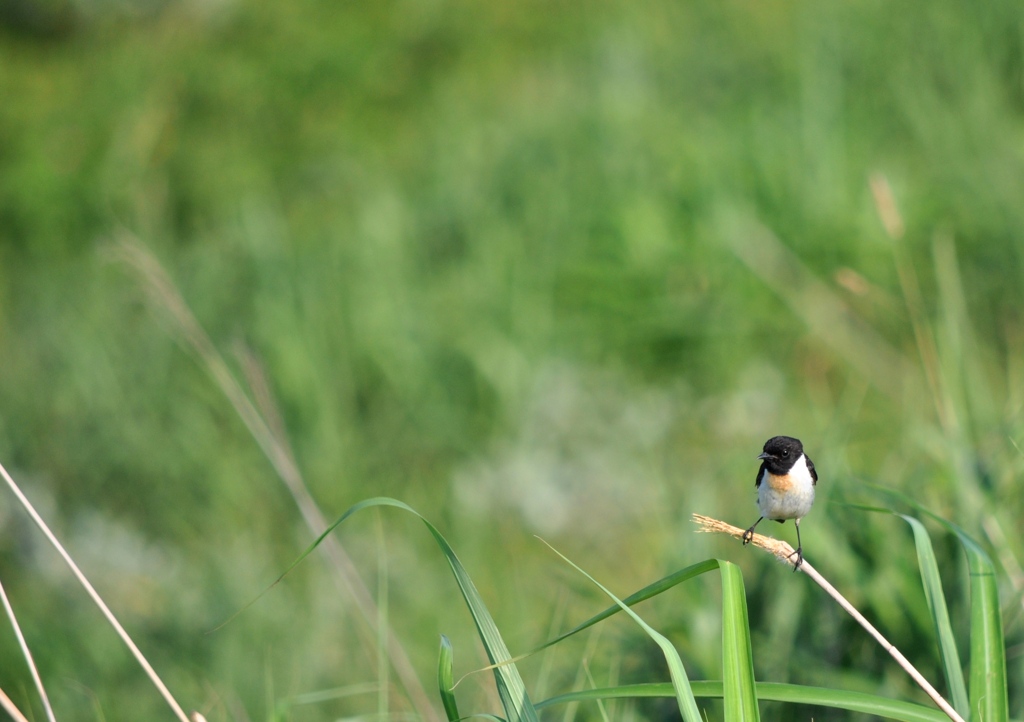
<point x="27" y="654"/>
<point x="10" y="709"/>
<point x="888" y="212"/>
<point x="270" y="437"/>
<point x="140" y="658"/>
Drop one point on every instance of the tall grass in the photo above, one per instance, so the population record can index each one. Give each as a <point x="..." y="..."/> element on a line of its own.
<point x="737" y="685"/>
<point x="531" y="271"/>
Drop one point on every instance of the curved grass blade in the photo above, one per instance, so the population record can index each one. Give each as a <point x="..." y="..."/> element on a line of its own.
<point x="651" y="590"/>
<point x="511" y="689"/>
<point x="737" y="659"/>
<point x="936" y="600"/>
<point x="770" y="691"/>
<point x="445" y="683"/>
<point x="680" y="682"/>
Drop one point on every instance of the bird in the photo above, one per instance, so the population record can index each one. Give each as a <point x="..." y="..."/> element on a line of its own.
<point x="785" y="486"/>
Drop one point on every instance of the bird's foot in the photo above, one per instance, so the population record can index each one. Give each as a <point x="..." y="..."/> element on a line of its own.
<point x="748" y="535"/>
<point x="799" y="558"/>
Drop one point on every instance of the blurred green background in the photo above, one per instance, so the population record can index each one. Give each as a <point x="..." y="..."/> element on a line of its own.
<point x="534" y="268"/>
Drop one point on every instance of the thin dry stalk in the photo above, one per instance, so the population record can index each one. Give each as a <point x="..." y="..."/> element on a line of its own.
<point x="786" y="554"/>
<point x="275" y="447"/>
<point x="10" y="709"/>
<point x="885" y="204"/>
<point x="27" y="653"/>
<point x="888" y="212"/>
<point x="140" y="658"/>
<point x="819" y="306"/>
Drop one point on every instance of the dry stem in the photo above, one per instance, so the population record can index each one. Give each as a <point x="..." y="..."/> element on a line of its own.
<point x="27" y="653"/>
<point x="97" y="600"/>
<point x="786" y="554"/>
<point x="263" y="422"/>
<point x="10" y="709"/>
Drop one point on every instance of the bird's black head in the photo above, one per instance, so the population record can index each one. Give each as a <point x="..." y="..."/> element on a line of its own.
<point x="780" y="453"/>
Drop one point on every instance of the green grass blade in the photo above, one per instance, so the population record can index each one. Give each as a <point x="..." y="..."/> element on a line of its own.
<point x="936" y="600"/>
<point x="680" y="682"/>
<point x="770" y="691"/>
<point x="737" y="659"/>
<point x="988" y="655"/>
<point x="445" y="683"/>
<point x="510" y="685"/>
<point x="773" y="692"/>
<point x="283" y="707"/>
<point x="651" y="590"/>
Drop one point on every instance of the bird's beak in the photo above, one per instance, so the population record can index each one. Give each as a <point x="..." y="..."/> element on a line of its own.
<point x="764" y="455"/>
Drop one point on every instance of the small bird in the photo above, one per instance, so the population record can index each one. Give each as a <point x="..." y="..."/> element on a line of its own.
<point x="785" y="486"/>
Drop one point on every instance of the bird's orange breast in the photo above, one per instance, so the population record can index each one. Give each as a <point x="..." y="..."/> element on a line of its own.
<point x="779" y="483"/>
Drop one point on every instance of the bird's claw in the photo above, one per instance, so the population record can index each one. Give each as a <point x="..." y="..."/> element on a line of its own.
<point x="748" y="535"/>
<point x="799" y="558"/>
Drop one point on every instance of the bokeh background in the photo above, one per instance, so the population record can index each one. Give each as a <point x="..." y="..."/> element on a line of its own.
<point x="535" y="268"/>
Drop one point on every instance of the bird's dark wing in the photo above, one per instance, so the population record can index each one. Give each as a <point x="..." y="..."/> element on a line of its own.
<point x="810" y="468"/>
<point x="760" y="473"/>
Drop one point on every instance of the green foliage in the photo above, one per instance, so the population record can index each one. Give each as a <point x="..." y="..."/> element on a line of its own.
<point x="988" y="651"/>
<point x="510" y="685"/>
<point x="445" y="683"/>
<point x="737" y="687"/>
<point x="936" y="599"/>
<point x="771" y="691"/>
<point x="737" y="659"/>
<point x="680" y="681"/>
<point x="533" y="269"/>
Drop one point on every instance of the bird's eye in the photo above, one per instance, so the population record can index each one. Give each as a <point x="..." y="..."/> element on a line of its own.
<point x="785" y="453"/>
